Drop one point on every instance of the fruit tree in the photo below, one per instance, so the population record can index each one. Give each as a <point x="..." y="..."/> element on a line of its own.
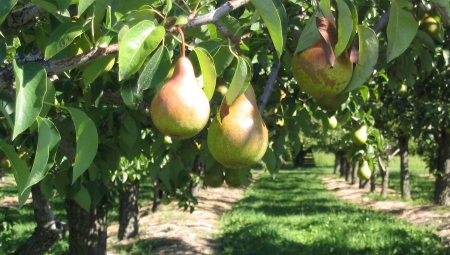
<point x="99" y="95"/>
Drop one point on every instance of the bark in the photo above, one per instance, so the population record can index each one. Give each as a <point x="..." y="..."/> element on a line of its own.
<point x="48" y="230"/>
<point x="355" y="173"/>
<point x="337" y="162"/>
<point x="129" y="211"/>
<point x="88" y="229"/>
<point x="348" y="171"/>
<point x="384" y="170"/>
<point x="157" y="194"/>
<point x="363" y="183"/>
<point x="442" y="184"/>
<point x="373" y="179"/>
<point x="404" y="171"/>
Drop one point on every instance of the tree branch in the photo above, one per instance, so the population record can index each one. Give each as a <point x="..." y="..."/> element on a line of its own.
<point x="22" y="14"/>
<point x="225" y="32"/>
<point x="382" y="22"/>
<point x="269" y="87"/>
<point x="212" y="16"/>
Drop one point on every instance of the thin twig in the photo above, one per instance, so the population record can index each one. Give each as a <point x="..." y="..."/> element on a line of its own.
<point x="225" y="32"/>
<point x="269" y="88"/>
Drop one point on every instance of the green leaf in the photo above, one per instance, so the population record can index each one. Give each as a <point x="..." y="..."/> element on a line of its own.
<point x="49" y="99"/>
<point x="309" y="35"/>
<point x="325" y="6"/>
<point x="167" y="7"/>
<point x="83" y="5"/>
<point x="86" y="139"/>
<point x="5" y="7"/>
<point x="365" y="93"/>
<point x="401" y="28"/>
<point x="61" y="37"/>
<point x="31" y="85"/>
<point x="137" y="43"/>
<point x="237" y="85"/>
<point x="208" y="71"/>
<point x="426" y="60"/>
<point x="270" y="161"/>
<point x="156" y="70"/>
<point x="96" y="68"/>
<point x="20" y="171"/>
<point x="347" y="22"/>
<point x="83" y="198"/>
<point x="129" y="94"/>
<point x="443" y="8"/>
<point x="48" y="141"/>
<point x="368" y="56"/>
<point x="274" y="16"/>
<point x="222" y="59"/>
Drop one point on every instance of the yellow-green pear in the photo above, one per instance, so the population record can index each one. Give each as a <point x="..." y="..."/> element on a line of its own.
<point x="364" y="171"/>
<point x="332" y="122"/>
<point x="180" y="109"/>
<point x="238" y="137"/>
<point x="360" y="135"/>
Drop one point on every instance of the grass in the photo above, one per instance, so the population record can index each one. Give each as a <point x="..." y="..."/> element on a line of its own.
<point x="296" y="214"/>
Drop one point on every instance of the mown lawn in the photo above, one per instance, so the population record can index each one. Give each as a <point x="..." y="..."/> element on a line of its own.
<point x="295" y="214"/>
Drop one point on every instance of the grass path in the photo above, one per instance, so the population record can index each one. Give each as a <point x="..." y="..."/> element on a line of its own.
<point x="296" y="214"/>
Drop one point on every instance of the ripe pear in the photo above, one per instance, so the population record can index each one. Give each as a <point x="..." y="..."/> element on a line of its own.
<point x="332" y="103"/>
<point x="316" y="77"/>
<point x="214" y="177"/>
<point x="360" y="135"/>
<point x="364" y="171"/>
<point x="180" y="109"/>
<point x="332" y="122"/>
<point x="238" y="137"/>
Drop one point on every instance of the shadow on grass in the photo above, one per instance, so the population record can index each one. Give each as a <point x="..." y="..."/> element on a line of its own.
<point x="160" y="245"/>
<point x="295" y="214"/>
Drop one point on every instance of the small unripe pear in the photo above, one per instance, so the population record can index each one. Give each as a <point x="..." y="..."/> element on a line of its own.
<point x="364" y="172"/>
<point x="360" y="135"/>
<point x="332" y="121"/>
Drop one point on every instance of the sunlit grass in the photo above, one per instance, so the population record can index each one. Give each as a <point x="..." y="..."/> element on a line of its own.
<point x="296" y="214"/>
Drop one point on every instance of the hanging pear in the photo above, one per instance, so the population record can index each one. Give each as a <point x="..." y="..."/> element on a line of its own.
<point x="238" y="137"/>
<point x="360" y="135"/>
<point x="180" y="109"/>
<point x="364" y="172"/>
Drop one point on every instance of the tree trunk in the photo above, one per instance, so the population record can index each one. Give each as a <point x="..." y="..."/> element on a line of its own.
<point x="384" y="170"/>
<point x="404" y="171"/>
<point x="198" y="168"/>
<point x="355" y="173"/>
<point x="348" y="170"/>
<point x="129" y="211"/>
<point x="88" y="230"/>
<point x="442" y="184"/>
<point x="373" y="179"/>
<point x="48" y="230"/>
<point x="157" y="194"/>
<point x="338" y="162"/>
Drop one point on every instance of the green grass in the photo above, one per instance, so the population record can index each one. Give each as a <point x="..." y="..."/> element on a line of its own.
<point x="295" y="214"/>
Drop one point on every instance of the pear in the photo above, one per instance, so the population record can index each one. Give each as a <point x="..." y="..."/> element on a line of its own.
<point x="180" y="109"/>
<point x="332" y="103"/>
<point x="360" y="135"/>
<point x="238" y="137"/>
<point x="232" y="178"/>
<point x="364" y="171"/>
<point x="316" y="77"/>
<point x="214" y="177"/>
<point x="332" y="122"/>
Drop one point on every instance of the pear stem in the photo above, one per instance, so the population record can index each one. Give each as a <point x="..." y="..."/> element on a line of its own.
<point x="183" y="50"/>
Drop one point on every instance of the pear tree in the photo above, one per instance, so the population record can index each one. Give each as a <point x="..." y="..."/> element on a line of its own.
<point x="78" y="79"/>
